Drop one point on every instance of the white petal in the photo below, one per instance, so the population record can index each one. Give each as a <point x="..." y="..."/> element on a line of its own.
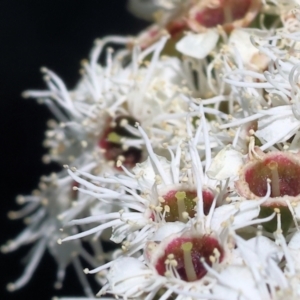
<point x="270" y="127"/>
<point x="295" y="241"/>
<point x="198" y="45"/>
<point x="226" y="164"/>
<point x="265" y="248"/>
<point x="294" y="247"/>
<point x="122" y="231"/>
<point x="242" y="281"/>
<point x="146" y="174"/>
<point x="240" y="39"/>
<point x="167" y="229"/>
<point x="242" y="212"/>
<point x="127" y="273"/>
<point x="222" y="214"/>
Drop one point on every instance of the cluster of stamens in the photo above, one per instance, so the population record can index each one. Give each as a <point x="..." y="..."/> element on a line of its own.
<point x="113" y="146"/>
<point x="180" y="205"/>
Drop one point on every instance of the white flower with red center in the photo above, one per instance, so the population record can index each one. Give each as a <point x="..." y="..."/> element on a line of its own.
<point x="282" y="169"/>
<point x="80" y="112"/>
<point x="98" y="117"/>
<point x="203" y="18"/>
<point x="207" y="17"/>
<point x="160" y="199"/>
<point x="198" y="266"/>
<point x="158" y="190"/>
<point x="181" y="209"/>
<point x="187" y="251"/>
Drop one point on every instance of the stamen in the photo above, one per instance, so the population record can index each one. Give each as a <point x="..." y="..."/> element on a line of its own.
<point x="188" y="262"/>
<point x="273" y="166"/>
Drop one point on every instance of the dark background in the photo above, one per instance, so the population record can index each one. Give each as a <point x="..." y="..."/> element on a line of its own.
<point x="56" y="34"/>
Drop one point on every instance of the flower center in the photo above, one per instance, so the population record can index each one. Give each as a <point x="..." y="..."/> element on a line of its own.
<point x="181" y="205"/>
<point x="111" y="142"/>
<point x="227" y="11"/>
<point x="183" y="257"/>
<point x="283" y="173"/>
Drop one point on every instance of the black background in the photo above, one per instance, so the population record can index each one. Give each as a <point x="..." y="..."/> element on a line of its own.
<point x="56" y="34"/>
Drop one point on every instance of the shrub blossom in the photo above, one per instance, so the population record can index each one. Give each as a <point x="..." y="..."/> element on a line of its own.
<point x="180" y="150"/>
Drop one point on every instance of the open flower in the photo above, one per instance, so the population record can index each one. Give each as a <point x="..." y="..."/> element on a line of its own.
<point x="40" y="213"/>
<point x="282" y="169"/>
<point x="190" y="264"/>
<point x="158" y="190"/>
<point x="207" y="17"/>
<point x="168" y="160"/>
<point x="160" y="199"/>
<point x="276" y="91"/>
<point x="203" y="18"/>
<point x="98" y="117"/>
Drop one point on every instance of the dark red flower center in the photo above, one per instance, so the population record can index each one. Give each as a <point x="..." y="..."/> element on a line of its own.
<point x="281" y="170"/>
<point x="181" y="205"/>
<point x="227" y="12"/>
<point x="185" y="256"/>
<point x="111" y="142"/>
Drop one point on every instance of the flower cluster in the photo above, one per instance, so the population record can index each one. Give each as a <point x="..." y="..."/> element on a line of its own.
<point x="181" y="152"/>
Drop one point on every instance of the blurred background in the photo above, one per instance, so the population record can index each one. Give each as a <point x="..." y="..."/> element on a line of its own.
<point x="56" y="34"/>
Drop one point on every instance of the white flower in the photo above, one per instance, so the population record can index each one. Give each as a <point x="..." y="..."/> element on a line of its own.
<point x="110" y="100"/>
<point x="142" y="191"/>
<point x="159" y="190"/>
<point x="278" y="121"/>
<point x="207" y="17"/>
<point x="40" y="212"/>
<point x="184" y="266"/>
<point x="193" y="205"/>
<point x="81" y="113"/>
